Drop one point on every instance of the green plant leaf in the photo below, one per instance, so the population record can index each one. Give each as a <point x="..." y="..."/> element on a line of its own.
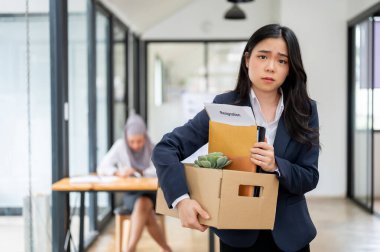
<point x="212" y="160"/>
<point x="227" y="163"/>
<point x="218" y="154"/>
<point x="221" y="161"/>
<point x="205" y="163"/>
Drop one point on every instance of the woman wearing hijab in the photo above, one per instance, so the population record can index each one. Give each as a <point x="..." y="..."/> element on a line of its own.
<point x="131" y="156"/>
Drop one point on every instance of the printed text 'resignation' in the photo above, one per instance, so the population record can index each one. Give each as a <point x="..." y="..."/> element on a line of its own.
<point x="228" y="114"/>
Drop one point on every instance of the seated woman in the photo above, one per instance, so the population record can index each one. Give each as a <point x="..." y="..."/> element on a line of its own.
<point x="131" y="156"/>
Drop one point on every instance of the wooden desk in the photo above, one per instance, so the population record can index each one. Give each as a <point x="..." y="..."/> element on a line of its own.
<point x="128" y="184"/>
<point x="65" y="185"/>
<point x="119" y="185"/>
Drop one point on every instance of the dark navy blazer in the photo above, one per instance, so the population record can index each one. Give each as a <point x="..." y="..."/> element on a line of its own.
<point x="298" y="166"/>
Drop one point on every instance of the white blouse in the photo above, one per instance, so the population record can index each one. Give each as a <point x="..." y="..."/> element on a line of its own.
<point x="117" y="159"/>
<point x="270" y="127"/>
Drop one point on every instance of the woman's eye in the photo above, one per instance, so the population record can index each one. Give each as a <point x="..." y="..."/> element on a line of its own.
<point x="262" y="57"/>
<point x="283" y="61"/>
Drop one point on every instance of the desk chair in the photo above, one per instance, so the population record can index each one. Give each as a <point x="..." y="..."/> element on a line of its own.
<point x="123" y="225"/>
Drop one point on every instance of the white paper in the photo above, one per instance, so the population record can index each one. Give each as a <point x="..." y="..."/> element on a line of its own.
<point x="92" y="179"/>
<point x="230" y="114"/>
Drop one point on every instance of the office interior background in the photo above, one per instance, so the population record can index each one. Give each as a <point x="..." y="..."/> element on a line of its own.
<point x="93" y="62"/>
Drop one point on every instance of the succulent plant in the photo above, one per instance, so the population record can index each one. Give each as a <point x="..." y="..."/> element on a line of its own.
<point x="215" y="160"/>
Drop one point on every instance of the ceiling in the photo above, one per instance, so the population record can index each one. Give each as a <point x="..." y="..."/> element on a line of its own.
<point x="143" y="14"/>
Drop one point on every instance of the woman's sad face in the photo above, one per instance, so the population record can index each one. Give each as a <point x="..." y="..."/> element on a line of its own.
<point x="268" y="64"/>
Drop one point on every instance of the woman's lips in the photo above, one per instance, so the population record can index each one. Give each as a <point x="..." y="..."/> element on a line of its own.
<point x="268" y="79"/>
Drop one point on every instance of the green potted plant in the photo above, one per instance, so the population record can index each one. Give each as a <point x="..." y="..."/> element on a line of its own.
<point x="213" y="160"/>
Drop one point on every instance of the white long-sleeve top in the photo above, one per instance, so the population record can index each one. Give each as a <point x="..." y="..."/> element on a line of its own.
<point x="117" y="159"/>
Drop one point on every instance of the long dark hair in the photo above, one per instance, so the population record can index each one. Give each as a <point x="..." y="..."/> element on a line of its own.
<point x="297" y="103"/>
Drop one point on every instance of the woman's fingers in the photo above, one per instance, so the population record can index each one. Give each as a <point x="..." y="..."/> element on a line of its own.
<point x="262" y="154"/>
<point x="261" y="158"/>
<point x="188" y="211"/>
<point x="201" y="211"/>
<point x="263" y="145"/>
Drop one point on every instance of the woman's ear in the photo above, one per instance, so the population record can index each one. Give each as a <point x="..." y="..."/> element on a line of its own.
<point x="246" y="59"/>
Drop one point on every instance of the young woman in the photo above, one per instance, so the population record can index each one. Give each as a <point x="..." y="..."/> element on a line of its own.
<point x="131" y="157"/>
<point x="273" y="82"/>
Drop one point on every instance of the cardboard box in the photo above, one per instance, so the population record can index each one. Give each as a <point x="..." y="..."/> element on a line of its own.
<point x="217" y="191"/>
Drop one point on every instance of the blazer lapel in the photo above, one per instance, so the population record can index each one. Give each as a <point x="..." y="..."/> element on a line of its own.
<point x="282" y="138"/>
<point x="246" y="102"/>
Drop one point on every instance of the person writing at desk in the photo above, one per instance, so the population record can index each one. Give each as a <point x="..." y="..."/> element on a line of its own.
<point x="272" y="81"/>
<point x="130" y="156"/>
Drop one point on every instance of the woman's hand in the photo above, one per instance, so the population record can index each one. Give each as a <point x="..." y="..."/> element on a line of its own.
<point x="262" y="154"/>
<point x="126" y="173"/>
<point x="188" y="211"/>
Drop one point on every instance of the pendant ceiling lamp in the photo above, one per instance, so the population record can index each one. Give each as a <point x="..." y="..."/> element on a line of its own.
<point x="235" y="13"/>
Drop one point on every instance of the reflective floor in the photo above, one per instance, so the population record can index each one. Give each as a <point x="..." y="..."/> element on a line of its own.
<point x="342" y="226"/>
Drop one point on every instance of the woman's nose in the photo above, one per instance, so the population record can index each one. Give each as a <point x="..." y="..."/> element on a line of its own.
<point x="270" y="66"/>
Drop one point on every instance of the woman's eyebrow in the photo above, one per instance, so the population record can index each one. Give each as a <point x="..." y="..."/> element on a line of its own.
<point x="267" y="51"/>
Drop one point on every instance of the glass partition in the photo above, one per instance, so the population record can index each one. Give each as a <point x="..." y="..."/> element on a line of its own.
<point x="182" y="76"/>
<point x="119" y="79"/>
<point x="78" y="106"/>
<point x="223" y="65"/>
<point x="102" y="116"/>
<point x="363" y="114"/>
<point x="176" y="77"/>
<point x="16" y="223"/>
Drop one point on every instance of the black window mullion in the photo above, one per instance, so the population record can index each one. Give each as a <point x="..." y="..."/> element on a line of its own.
<point x="59" y="99"/>
<point x="136" y="67"/>
<point x="142" y="80"/>
<point x="110" y="97"/>
<point x="350" y="111"/>
<point x="126" y="96"/>
<point x="91" y="40"/>
<point x="207" y="79"/>
<point x="110" y="84"/>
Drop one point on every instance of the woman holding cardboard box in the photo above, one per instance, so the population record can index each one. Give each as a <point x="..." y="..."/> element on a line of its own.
<point x="272" y="81"/>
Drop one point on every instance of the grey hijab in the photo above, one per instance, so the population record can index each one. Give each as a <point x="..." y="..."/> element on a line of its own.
<point x="140" y="160"/>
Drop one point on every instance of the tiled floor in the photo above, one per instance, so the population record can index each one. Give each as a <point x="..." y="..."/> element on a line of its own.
<point x="342" y="226"/>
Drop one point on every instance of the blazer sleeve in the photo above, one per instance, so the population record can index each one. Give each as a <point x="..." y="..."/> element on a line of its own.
<point x="301" y="176"/>
<point x="174" y="147"/>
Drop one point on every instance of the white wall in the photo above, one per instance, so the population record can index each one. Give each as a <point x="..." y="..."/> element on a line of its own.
<point x="204" y="19"/>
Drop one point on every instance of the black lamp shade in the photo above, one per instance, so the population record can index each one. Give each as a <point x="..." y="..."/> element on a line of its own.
<point x="239" y="1"/>
<point x="234" y="13"/>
